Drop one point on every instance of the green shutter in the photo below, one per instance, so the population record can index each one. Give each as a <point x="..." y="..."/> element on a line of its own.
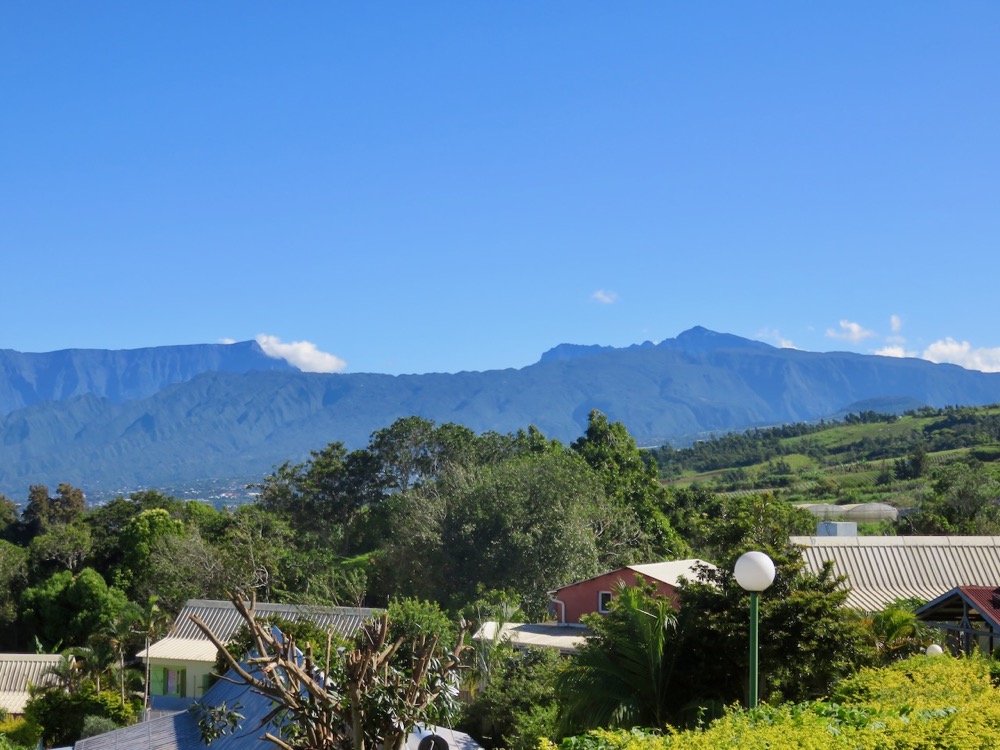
<point x="182" y="683"/>
<point x="157" y="680"/>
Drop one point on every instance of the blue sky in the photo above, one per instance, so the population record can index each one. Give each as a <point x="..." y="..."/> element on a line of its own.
<point x="445" y="186"/>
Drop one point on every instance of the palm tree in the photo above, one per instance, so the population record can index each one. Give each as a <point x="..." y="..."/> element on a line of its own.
<point x="896" y="632"/>
<point x="488" y="653"/>
<point x="152" y="622"/>
<point x="97" y="659"/>
<point x="66" y="672"/>
<point x="620" y="677"/>
<point x="120" y="634"/>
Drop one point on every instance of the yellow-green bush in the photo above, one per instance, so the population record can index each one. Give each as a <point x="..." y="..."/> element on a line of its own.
<point x="20" y="731"/>
<point x="922" y="703"/>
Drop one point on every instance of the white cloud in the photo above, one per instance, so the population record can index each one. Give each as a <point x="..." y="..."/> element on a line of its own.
<point x="226" y="341"/>
<point x="772" y="335"/>
<point x="896" y="323"/>
<point x="850" y="331"/>
<point x="604" y="297"/>
<point x="962" y="353"/>
<point x="894" y="351"/>
<point x="301" y="354"/>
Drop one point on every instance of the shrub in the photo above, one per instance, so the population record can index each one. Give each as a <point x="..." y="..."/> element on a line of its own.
<point x="19" y="732"/>
<point x="922" y="702"/>
<point x="61" y="715"/>
<point x="95" y="725"/>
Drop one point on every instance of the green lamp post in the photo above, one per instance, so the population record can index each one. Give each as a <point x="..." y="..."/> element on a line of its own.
<point x="754" y="572"/>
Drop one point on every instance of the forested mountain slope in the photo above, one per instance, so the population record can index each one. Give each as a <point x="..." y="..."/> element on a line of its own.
<point x="120" y="375"/>
<point x="231" y="424"/>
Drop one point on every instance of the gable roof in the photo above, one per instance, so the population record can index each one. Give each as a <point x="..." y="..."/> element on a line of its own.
<point x="17" y="671"/>
<point x="673" y="570"/>
<point x="186" y="642"/>
<point x="976" y="602"/>
<point x="669" y="572"/>
<point x="881" y="569"/>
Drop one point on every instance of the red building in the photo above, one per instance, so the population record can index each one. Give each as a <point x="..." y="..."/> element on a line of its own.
<point x="569" y="603"/>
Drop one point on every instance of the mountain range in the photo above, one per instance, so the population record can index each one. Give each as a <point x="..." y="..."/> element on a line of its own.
<point x="164" y="417"/>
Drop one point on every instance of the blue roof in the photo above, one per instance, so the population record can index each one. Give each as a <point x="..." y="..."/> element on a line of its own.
<point x="180" y="731"/>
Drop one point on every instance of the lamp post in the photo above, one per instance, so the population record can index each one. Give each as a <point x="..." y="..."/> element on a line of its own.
<point x="754" y="572"/>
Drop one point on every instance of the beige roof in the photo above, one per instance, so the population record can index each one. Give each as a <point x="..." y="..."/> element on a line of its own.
<point x="881" y="569"/>
<point x="673" y="570"/>
<point x="185" y="641"/>
<point x="17" y="671"/>
<point x="566" y="638"/>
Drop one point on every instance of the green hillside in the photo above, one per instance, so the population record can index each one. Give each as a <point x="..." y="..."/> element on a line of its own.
<point x="912" y="461"/>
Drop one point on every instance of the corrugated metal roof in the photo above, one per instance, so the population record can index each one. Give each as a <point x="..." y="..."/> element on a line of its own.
<point x="185" y="640"/>
<point x="566" y="638"/>
<point x="180" y="731"/>
<point x="17" y="671"/>
<point x="881" y="569"/>
<point x="181" y="649"/>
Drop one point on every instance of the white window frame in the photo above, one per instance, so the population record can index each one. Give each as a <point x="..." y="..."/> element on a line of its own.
<point x="601" y="608"/>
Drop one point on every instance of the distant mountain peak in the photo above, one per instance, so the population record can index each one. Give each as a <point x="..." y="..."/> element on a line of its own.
<point x="695" y="340"/>
<point x="701" y="339"/>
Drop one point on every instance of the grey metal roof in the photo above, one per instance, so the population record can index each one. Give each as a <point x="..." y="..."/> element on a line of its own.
<point x="180" y="731"/>
<point x="881" y="569"/>
<point x="566" y="638"/>
<point x="186" y="641"/>
<point x="17" y="671"/>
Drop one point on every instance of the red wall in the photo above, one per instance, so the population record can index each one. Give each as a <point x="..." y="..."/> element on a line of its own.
<point x="582" y="598"/>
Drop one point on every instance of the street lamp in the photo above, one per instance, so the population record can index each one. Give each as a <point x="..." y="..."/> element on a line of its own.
<point x="754" y="572"/>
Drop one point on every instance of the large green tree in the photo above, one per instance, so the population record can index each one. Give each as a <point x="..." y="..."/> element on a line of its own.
<point x="66" y="609"/>
<point x="632" y="481"/>
<point x="525" y="524"/>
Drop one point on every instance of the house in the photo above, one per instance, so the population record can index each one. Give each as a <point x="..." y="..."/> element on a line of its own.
<point x="882" y="569"/>
<point x="20" y="671"/>
<point x="969" y="617"/>
<point x="569" y="603"/>
<point x="566" y="639"/>
<point x="182" y="663"/>
<point x="179" y="730"/>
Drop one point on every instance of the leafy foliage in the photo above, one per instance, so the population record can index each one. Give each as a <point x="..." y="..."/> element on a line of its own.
<point x="621" y="677"/>
<point x="61" y="715"/>
<point x="916" y="703"/>
<point x="370" y="695"/>
<point x="517" y="706"/>
<point x="66" y="609"/>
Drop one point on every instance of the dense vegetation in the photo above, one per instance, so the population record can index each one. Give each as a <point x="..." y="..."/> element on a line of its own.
<point x="940" y="466"/>
<point x="923" y="702"/>
<point x="440" y="522"/>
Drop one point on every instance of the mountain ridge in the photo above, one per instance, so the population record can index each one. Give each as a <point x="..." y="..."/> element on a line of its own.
<point x="229" y="423"/>
<point x="27" y="378"/>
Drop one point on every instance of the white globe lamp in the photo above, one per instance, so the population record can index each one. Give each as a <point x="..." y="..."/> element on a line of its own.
<point x="754" y="572"/>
